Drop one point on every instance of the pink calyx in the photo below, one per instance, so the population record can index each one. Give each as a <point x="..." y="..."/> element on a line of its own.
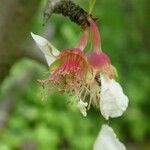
<point x="98" y="59"/>
<point x="100" y="62"/>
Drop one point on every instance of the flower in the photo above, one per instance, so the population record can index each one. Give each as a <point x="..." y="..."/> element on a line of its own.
<point x="113" y="102"/>
<point x="70" y="72"/>
<point x="89" y="76"/>
<point x="98" y="60"/>
<point x="107" y="140"/>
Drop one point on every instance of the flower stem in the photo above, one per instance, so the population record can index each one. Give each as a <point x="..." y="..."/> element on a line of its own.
<point x="95" y="35"/>
<point x="83" y="40"/>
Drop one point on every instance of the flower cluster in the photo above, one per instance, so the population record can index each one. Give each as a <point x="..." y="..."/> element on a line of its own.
<point x="89" y="76"/>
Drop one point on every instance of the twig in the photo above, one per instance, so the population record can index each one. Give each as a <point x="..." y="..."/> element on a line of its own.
<point x="67" y="8"/>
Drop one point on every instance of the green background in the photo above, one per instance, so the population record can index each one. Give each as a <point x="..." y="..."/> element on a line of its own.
<point x="49" y="122"/>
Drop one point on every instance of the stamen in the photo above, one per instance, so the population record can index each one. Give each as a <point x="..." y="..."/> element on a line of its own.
<point x="85" y="94"/>
<point x="90" y="101"/>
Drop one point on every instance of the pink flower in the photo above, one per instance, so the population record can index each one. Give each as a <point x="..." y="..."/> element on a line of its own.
<point x="69" y="70"/>
<point x="113" y="102"/>
<point x="98" y="60"/>
<point x="88" y="76"/>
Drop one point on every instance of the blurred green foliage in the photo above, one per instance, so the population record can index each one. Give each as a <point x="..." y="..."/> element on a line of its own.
<point x="54" y="124"/>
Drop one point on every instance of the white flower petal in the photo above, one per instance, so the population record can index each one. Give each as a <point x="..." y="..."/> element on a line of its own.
<point x="113" y="102"/>
<point x="82" y="107"/>
<point x="46" y="47"/>
<point x="107" y="140"/>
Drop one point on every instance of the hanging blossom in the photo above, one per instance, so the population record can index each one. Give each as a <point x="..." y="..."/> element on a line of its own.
<point x="88" y="76"/>
<point x="113" y="102"/>
<point x="69" y="69"/>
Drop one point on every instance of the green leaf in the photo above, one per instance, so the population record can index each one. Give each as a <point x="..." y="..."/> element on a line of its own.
<point x="91" y="5"/>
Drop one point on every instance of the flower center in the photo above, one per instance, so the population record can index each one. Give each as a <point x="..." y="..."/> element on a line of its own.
<point x="71" y="72"/>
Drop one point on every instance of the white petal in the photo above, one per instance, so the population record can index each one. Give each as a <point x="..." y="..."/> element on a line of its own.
<point x="46" y="47"/>
<point x="113" y="102"/>
<point x="82" y="107"/>
<point x="107" y="140"/>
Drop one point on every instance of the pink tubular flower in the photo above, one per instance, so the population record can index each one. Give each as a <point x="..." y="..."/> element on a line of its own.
<point x="98" y="60"/>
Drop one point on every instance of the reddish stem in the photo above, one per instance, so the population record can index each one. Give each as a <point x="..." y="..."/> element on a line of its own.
<point x="83" y="40"/>
<point x="95" y="35"/>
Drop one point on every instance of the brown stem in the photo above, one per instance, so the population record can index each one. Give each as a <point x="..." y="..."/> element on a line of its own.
<point x="67" y="8"/>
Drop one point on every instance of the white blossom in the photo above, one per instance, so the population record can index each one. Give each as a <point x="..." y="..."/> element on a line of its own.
<point x="113" y="102"/>
<point x="46" y="47"/>
<point x="82" y="107"/>
<point x="107" y="140"/>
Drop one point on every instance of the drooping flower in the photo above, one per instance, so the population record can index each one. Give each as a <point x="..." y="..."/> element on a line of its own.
<point x="113" y="102"/>
<point x="107" y="140"/>
<point x="98" y="60"/>
<point x="88" y="76"/>
<point x="70" y="72"/>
